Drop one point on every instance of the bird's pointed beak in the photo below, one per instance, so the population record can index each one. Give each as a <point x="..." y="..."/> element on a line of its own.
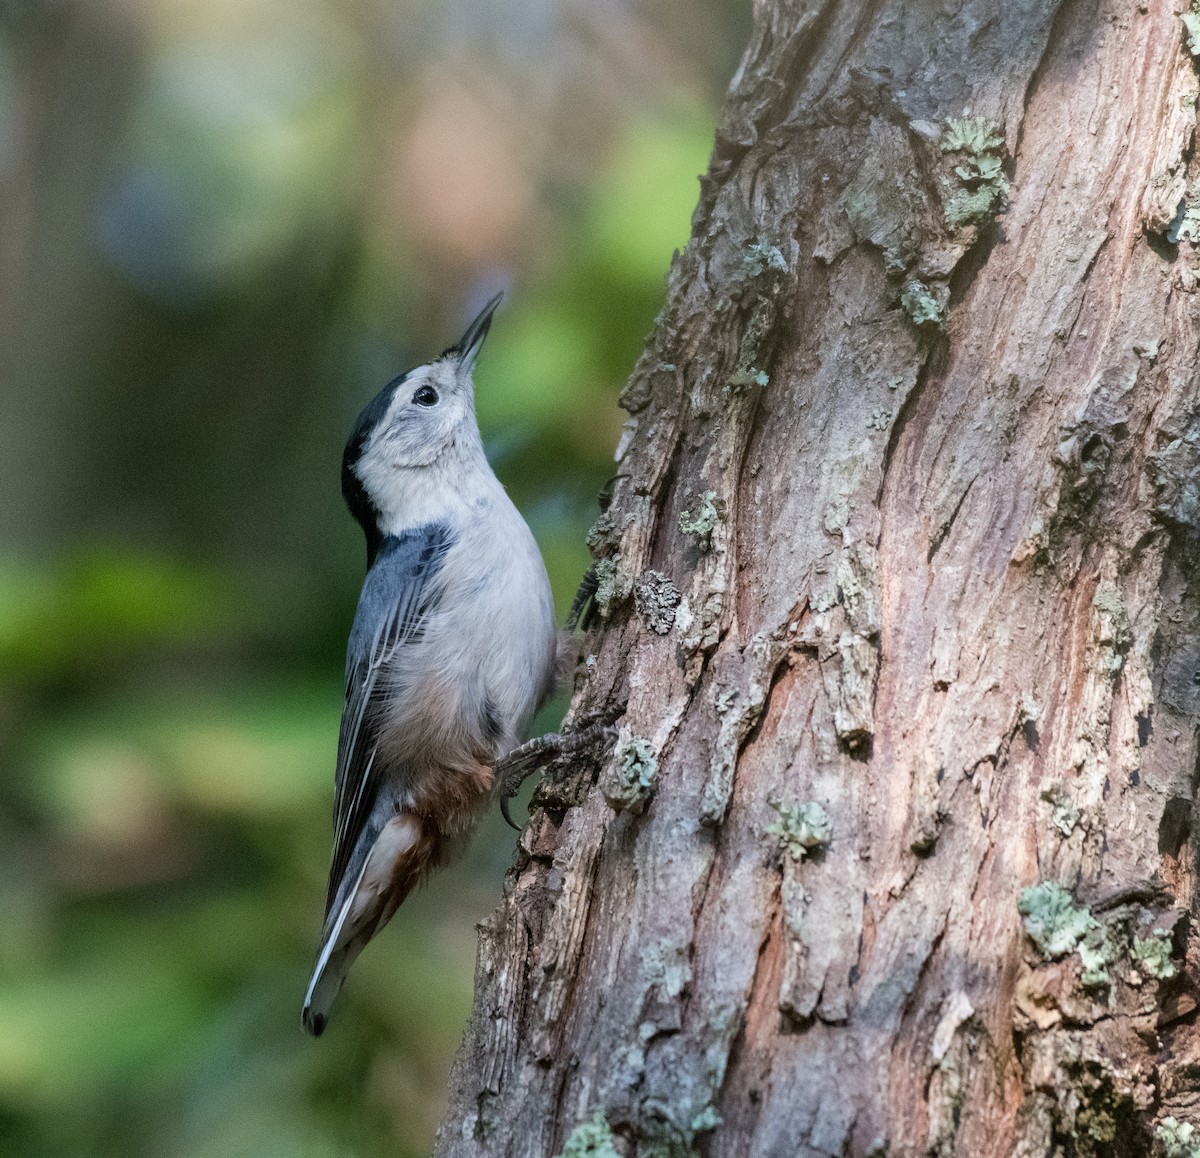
<point x="468" y="345"/>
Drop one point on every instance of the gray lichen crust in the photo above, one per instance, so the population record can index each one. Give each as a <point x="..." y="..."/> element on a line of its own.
<point x="656" y="599"/>
<point x="1191" y="23"/>
<point x="702" y="524"/>
<point x="1065" y="814"/>
<point x="801" y="828"/>
<point x="761" y="256"/>
<point x="631" y="777"/>
<point x="612" y="585"/>
<point x="763" y="267"/>
<point x="925" y="305"/>
<point x="1186" y="224"/>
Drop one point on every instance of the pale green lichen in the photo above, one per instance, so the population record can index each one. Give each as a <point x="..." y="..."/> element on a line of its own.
<point x="1191" y="22"/>
<point x="975" y="136"/>
<point x="632" y="776"/>
<point x="628" y="1066"/>
<point x="761" y="256"/>
<point x="592" y="1139"/>
<point x="1109" y="601"/>
<point x="1186" y="224"/>
<point x="981" y="186"/>
<point x="749" y="377"/>
<point x="753" y="354"/>
<point x="1065" y="815"/>
<point x="1178" y="1139"/>
<point x="880" y="419"/>
<point x="1152" y="955"/>
<point x="703" y="522"/>
<point x="969" y="206"/>
<point x="801" y="828"/>
<point x="665" y="966"/>
<point x="706" y="1120"/>
<point x="923" y="304"/>
<point x="1096" y="954"/>
<point x="985" y="168"/>
<point x="1114" y="632"/>
<point x="1051" y="919"/>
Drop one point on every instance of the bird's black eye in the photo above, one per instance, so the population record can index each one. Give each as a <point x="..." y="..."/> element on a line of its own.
<point x="426" y="396"/>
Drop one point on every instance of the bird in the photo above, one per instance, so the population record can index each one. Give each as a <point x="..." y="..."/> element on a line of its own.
<point x="451" y="651"/>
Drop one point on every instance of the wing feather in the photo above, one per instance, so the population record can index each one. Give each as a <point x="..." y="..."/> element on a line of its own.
<point x="396" y="600"/>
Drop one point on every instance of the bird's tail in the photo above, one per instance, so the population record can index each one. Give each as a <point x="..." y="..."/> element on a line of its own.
<point x="397" y="858"/>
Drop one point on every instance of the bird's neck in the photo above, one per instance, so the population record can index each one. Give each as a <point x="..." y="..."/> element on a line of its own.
<point x="447" y="489"/>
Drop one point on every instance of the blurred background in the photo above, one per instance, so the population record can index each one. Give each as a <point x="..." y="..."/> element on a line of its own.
<point x="224" y="224"/>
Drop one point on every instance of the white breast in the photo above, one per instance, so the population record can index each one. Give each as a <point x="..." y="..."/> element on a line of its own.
<point x="486" y="655"/>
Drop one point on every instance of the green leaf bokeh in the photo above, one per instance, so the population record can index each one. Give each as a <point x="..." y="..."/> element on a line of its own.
<point x="231" y="241"/>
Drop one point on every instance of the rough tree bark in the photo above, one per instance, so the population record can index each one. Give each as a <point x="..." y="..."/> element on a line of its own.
<point x="899" y="585"/>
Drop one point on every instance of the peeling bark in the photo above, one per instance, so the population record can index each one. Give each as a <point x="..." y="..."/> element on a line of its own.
<point x="906" y="526"/>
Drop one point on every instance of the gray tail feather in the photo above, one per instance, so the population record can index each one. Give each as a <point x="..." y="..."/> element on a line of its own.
<point x="332" y="966"/>
<point x="326" y="984"/>
<point x="323" y="988"/>
<point x="334" y="960"/>
<point x="333" y="963"/>
<point x="340" y="946"/>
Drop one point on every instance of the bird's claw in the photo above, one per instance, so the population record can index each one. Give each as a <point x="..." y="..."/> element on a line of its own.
<point x="521" y="762"/>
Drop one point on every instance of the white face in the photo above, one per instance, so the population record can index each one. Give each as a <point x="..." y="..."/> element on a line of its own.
<point x="428" y="413"/>
<point x="391" y="470"/>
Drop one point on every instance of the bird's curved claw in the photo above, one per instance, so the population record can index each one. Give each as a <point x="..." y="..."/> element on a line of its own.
<point x="504" y="799"/>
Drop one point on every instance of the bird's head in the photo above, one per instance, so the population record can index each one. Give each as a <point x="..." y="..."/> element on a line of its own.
<point x="412" y="423"/>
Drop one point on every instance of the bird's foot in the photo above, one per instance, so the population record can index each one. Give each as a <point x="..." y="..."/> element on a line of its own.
<point x="512" y="770"/>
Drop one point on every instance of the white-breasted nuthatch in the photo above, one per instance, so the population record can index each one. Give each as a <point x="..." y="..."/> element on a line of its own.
<point x="451" y="652"/>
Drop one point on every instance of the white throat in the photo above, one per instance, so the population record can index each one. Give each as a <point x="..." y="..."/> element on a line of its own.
<point x="457" y="481"/>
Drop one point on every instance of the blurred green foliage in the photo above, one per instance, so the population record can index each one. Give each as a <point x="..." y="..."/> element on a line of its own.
<point x="228" y="266"/>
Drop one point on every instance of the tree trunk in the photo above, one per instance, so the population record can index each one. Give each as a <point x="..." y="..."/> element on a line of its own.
<point x="899" y="583"/>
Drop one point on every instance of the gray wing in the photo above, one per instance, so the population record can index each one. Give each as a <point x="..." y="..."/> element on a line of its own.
<point x="395" y="602"/>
